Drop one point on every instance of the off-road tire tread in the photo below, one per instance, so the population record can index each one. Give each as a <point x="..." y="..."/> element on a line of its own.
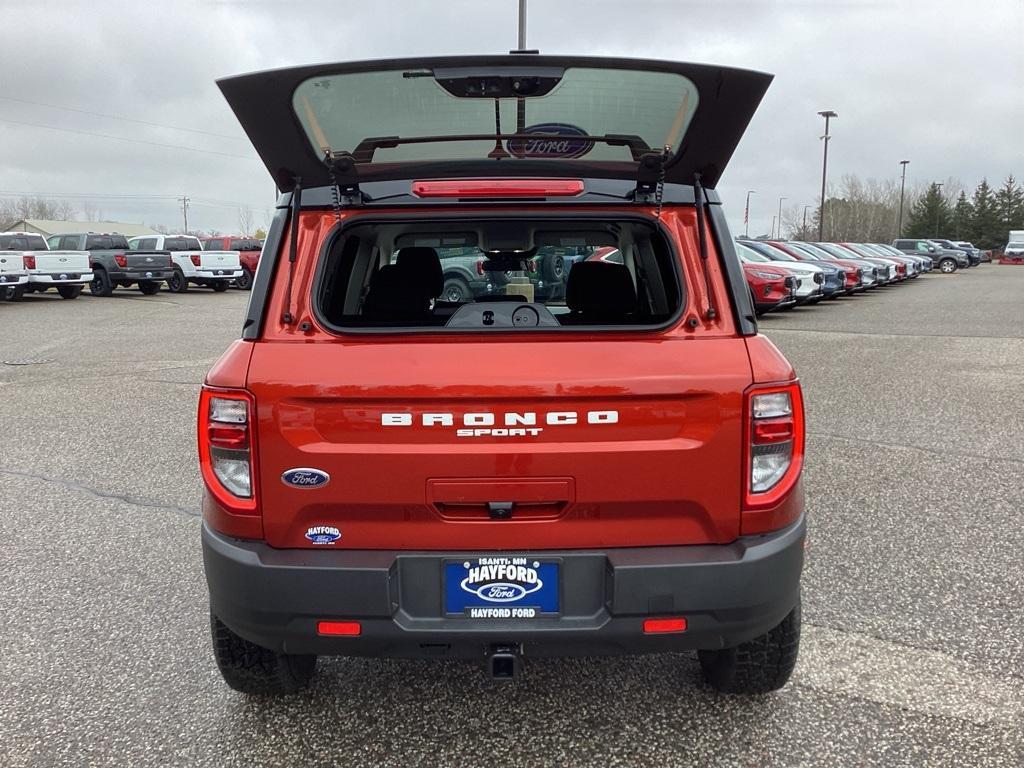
<point x="250" y="668"/>
<point x="761" y="665"/>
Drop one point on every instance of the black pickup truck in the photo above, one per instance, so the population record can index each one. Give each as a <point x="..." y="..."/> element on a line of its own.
<point x="114" y="264"/>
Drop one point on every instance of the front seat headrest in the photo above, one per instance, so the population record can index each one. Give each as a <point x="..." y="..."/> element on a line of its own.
<point x="423" y="264"/>
<point x="600" y="290"/>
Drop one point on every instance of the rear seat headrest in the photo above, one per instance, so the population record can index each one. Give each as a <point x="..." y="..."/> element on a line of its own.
<point x="424" y="266"/>
<point x="395" y="294"/>
<point x="600" y="289"/>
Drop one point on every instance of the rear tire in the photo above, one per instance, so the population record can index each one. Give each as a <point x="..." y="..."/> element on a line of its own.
<point x="947" y="266"/>
<point x="761" y="665"/>
<point x="219" y="286"/>
<point x="245" y="281"/>
<point x="178" y="282"/>
<point x="16" y="293"/>
<point x="253" y="669"/>
<point x="70" y="291"/>
<point x="149" y="287"/>
<point x="456" y="290"/>
<point x="101" y="285"/>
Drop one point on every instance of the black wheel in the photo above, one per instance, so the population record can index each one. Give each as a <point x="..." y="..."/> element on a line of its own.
<point x="178" y="282"/>
<point x="219" y="286"/>
<point x="100" y="285"/>
<point x="245" y="281"/>
<point x="149" y="287"/>
<point x="456" y="290"/>
<point x="16" y="293"/>
<point x="552" y="268"/>
<point x="761" y="665"/>
<point x="946" y="266"/>
<point x="69" y="291"/>
<point x="250" y="668"/>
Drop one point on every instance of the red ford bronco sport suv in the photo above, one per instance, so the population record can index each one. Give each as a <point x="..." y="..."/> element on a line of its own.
<point x="390" y="473"/>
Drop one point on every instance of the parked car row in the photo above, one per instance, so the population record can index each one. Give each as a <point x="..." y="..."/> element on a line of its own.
<point x="30" y="263"/>
<point x="782" y="274"/>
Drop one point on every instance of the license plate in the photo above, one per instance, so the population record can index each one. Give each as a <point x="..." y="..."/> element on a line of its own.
<point x="513" y="587"/>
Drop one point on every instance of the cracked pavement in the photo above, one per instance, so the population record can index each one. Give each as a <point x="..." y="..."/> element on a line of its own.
<point x="913" y="647"/>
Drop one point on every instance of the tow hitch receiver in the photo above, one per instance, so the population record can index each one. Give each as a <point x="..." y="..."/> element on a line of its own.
<point x="505" y="662"/>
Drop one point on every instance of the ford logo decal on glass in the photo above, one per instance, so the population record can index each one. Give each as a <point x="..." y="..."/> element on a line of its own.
<point x="554" y="140"/>
<point x="304" y="477"/>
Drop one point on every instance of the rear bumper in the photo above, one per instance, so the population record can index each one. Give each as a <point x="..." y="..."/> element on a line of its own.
<point x="144" y="275"/>
<point x="728" y="593"/>
<point x="216" y="274"/>
<point x="13" y="280"/>
<point x="61" y="278"/>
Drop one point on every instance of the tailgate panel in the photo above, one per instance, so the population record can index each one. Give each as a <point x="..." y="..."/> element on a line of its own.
<point x="609" y="443"/>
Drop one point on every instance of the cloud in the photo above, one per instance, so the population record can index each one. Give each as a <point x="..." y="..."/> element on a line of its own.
<point x="938" y="83"/>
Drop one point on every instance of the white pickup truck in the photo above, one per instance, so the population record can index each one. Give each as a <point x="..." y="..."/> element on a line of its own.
<point x="213" y="269"/>
<point x="12" y="273"/>
<point x="67" y="271"/>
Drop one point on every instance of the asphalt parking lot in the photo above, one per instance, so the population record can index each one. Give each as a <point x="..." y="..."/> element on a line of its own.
<point x="913" y="649"/>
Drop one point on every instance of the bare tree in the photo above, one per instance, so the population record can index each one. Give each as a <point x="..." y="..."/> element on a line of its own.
<point x="91" y="211"/>
<point x="245" y="221"/>
<point x="12" y="211"/>
<point x="859" y="210"/>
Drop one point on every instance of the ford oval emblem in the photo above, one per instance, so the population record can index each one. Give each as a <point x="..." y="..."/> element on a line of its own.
<point x="559" y="140"/>
<point x="304" y="477"/>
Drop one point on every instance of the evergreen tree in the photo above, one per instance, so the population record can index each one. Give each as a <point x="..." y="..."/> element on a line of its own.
<point x="963" y="216"/>
<point x="985" y="221"/>
<point x="930" y="215"/>
<point x="1009" y="210"/>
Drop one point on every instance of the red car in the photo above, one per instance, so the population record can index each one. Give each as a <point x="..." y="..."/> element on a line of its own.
<point x="248" y="248"/>
<point x="771" y="287"/>
<point x="613" y="469"/>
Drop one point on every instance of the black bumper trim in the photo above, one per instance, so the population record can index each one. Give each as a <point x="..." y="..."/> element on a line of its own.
<point x="728" y="593"/>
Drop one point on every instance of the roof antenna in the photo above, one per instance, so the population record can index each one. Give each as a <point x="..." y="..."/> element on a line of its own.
<point x="522" y="31"/>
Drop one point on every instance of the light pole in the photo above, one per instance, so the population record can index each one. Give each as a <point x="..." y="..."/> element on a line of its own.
<point x="184" y="211"/>
<point x="522" y="25"/>
<point x="828" y="115"/>
<point x="903" y="183"/>
<point x="938" y="206"/>
<point x="803" y="233"/>
<point x="771" y="234"/>
<point x="746" y="213"/>
<point x="780" y="216"/>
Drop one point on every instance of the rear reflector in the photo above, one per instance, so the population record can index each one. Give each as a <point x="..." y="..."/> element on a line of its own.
<point x="342" y="628"/>
<point x="498" y="188"/>
<point x="662" y="626"/>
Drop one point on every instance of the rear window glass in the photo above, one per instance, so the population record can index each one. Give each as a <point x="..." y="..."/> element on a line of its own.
<point x="498" y="276"/>
<point x="340" y="113"/>
<point x="177" y="244"/>
<point x="245" y="245"/>
<point x="105" y="242"/>
<point x="22" y="242"/>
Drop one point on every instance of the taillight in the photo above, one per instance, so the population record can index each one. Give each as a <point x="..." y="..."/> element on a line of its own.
<point x="226" y="447"/>
<point x="121" y="259"/>
<point x="774" y="443"/>
<point x="480" y="267"/>
<point x="195" y="259"/>
<point x="29" y="261"/>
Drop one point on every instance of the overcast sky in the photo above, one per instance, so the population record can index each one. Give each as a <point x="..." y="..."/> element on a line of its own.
<point x="937" y="82"/>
